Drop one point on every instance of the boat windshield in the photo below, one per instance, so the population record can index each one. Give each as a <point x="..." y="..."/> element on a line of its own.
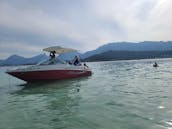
<point x="51" y="62"/>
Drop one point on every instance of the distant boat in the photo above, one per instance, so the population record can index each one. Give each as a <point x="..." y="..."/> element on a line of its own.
<point x="52" y="69"/>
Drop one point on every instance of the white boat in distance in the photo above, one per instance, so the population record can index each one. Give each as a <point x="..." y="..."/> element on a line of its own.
<point x="52" y="69"/>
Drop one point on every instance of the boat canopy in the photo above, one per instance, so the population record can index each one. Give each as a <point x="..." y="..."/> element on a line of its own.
<point x="59" y="50"/>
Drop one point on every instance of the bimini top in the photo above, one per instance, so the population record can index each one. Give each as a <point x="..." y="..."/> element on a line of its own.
<point x="59" y="50"/>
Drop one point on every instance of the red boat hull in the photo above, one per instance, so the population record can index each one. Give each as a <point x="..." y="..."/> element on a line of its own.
<point x="31" y="76"/>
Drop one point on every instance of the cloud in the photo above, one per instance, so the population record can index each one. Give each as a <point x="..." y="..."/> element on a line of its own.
<point x="80" y="24"/>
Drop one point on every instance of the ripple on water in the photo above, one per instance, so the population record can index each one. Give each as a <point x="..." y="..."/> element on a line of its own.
<point x="113" y="103"/>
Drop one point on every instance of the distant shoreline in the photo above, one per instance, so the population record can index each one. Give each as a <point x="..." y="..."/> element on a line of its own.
<point x="151" y="59"/>
<point x="128" y="55"/>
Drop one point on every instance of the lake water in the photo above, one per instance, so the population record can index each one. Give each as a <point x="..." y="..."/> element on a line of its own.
<point x="119" y="95"/>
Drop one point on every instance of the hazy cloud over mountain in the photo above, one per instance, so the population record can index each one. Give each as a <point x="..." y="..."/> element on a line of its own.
<point x="27" y="26"/>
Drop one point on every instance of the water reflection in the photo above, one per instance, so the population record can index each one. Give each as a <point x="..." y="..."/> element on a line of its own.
<point x="47" y="86"/>
<point x="54" y="102"/>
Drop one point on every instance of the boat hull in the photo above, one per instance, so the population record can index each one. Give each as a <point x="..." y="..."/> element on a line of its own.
<point x="31" y="76"/>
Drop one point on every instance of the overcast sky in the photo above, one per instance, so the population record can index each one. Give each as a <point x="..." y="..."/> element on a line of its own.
<point x="28" y="26"/>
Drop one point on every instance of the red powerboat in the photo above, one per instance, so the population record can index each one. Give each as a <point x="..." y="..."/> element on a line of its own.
<point x="55" y="69"/>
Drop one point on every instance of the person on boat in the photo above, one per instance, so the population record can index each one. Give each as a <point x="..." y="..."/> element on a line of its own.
<point x="155" y="65"/>
<point x="85" y="65"/>
<point x="76" y="61"/>
<point x="52" y="57"/>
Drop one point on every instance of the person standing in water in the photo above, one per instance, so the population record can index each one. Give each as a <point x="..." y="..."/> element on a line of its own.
<point x="155" y="65"/>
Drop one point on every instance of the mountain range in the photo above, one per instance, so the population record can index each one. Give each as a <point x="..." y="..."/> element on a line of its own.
<point x="19" y="60"/>
<point x="110" y="51"/>
<point x="129" y="55"/>
<point x="130" y="46"/>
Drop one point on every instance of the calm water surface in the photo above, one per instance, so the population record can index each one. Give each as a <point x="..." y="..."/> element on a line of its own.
<point x="119" y="95"/>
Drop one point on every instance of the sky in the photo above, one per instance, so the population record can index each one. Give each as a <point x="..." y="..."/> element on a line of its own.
<point x="28" y="26"/>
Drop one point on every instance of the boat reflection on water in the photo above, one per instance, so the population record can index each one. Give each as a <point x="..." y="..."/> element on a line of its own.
<point x="54" y="102"/>
<point x="53" y="86"/>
